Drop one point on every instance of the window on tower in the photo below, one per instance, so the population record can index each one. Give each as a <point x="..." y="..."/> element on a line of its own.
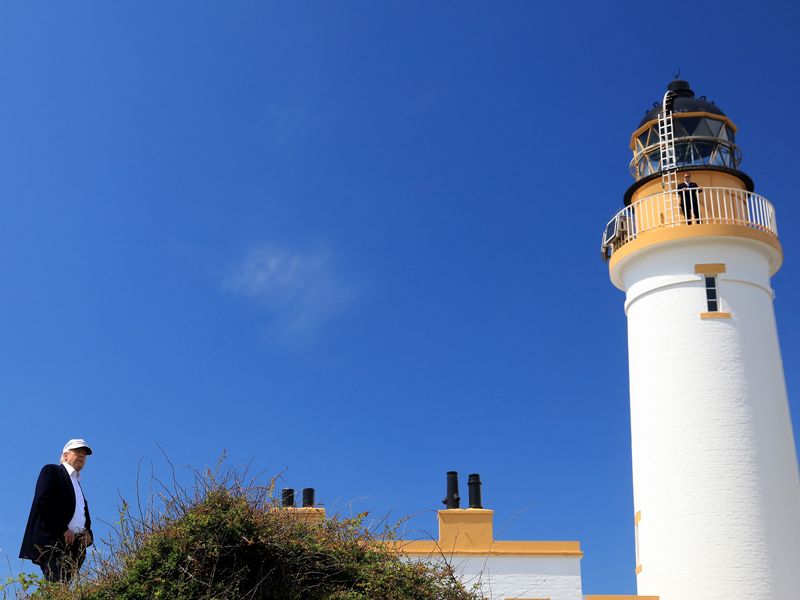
<point x="711" y="293"/>
<point x="709" y="273"/>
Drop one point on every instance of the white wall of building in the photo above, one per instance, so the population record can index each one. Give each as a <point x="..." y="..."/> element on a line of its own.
<point x="523" y="577"/>
<point x="714" y="465"/>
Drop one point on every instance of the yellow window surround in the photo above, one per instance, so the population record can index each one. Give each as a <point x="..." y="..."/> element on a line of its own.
<point x="709" y="268"/>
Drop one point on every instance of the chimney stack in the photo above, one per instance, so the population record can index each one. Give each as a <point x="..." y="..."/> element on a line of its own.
<point x="474" y="484"/>
<point x="452" y="500"/>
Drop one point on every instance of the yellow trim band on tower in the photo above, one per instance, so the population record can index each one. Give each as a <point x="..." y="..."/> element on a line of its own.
<point x="715" y="315"/>
<point x="665" y="235"/>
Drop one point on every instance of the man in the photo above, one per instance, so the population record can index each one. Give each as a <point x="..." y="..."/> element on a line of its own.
<point x="59" y="526"/>
<point x="688" y="191"/>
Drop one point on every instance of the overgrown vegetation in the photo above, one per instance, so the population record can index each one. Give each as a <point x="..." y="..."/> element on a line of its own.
<point x="224" y="541"/>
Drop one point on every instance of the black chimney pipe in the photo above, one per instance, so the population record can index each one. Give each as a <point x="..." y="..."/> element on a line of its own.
<point x="287" y="498"/>
<point x="308" y="497"/>
<point x="474" y="484"/>
<point x="453" y="500"/>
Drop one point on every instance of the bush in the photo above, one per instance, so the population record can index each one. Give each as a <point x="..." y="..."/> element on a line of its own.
<point x="226" y="541"/>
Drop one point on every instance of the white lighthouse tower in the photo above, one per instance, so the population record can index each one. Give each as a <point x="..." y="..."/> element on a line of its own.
<point x="715" y="475"/>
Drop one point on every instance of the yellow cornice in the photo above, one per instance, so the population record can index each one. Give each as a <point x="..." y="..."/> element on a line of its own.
<point x="469" y="532"/>
<point x="494" y="548"/>
<point x="665" y="235"/>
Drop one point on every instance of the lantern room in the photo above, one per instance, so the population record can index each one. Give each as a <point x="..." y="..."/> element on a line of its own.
<point x="703" y="135"/>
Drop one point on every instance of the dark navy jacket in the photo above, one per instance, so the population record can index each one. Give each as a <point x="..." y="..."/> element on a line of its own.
<point x="51" y="511"/>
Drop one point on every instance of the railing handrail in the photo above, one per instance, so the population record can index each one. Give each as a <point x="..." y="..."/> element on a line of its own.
<point x="708" y="205"/>
<point x="705" y="187"/>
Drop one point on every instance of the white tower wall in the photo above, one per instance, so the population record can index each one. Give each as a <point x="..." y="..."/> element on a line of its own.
<point x="715" y="472"/>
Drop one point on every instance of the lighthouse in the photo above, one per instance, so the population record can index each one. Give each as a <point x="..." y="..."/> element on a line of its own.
<point x="715" y="475"/>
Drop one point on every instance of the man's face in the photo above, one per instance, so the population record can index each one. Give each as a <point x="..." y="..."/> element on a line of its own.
<point x="75" y="458"/>
<point x="687" y="178"/>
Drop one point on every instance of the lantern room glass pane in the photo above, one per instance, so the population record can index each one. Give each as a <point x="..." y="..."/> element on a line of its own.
<point x="682" y="153"/>
<point x="690" y="124"/>
<point x="654" y="159"/>
<point x="653" y="137"/>
<point x="705" y="150"/>
<point x="693" y="155"/>
<point x="725" y="155"/>
<point x="703" y="129"/>
<point x="714" y="126"/>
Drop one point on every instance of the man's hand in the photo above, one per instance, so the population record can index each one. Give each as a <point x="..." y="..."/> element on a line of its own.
<point x="69" y="537"/>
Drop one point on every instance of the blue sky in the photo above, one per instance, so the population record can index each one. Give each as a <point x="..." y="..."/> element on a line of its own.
<point x="354" y="243"/>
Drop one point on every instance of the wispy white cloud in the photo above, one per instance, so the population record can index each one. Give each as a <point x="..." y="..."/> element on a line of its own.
<point x="298" y="291"/>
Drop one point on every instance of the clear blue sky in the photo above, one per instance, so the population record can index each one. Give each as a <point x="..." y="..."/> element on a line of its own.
<point x="353" y="242"/>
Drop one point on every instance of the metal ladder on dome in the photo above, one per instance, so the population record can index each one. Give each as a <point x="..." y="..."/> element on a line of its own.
<point x="669" y="166"/>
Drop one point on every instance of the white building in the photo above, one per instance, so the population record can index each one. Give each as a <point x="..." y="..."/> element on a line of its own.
<point x="502" y="569"/>
<point x="715" y="473"/>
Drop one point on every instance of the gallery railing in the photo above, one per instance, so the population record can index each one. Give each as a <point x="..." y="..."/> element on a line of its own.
<point x="709" y="205"/>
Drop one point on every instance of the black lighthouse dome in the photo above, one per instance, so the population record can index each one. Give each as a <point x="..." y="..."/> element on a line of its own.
<point x="684" y="101"/>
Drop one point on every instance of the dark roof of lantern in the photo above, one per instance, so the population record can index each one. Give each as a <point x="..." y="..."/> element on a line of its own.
<point x="685" y="101"/>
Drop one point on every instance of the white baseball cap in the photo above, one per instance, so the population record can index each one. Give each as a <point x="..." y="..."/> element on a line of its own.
<point x="75" y="444"/>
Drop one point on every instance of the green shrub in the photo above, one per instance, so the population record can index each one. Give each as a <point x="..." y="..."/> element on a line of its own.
<point x="226" y="541"/>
